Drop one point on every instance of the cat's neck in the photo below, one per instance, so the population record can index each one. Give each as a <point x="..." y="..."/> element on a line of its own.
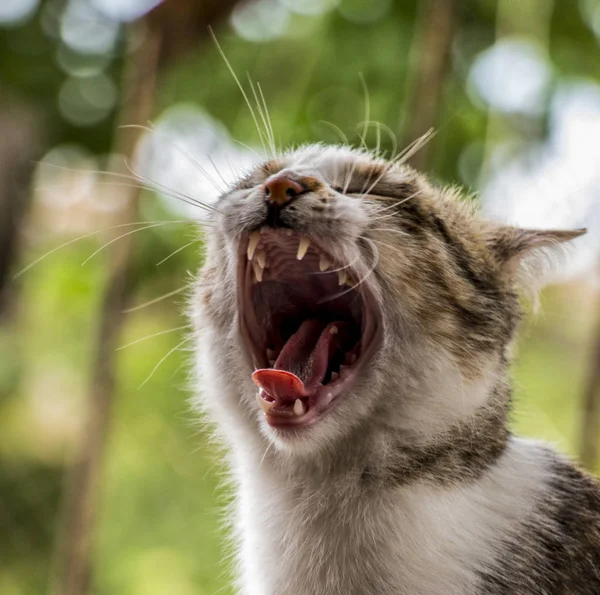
<point x="378" y="454"/>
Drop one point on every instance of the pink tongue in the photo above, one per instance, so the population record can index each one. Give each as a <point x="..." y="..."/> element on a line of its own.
<point x="302" y="363"/>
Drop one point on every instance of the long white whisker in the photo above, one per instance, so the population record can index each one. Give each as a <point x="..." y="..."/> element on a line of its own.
<point x="158" y="185"/>
<point x="241" y="88"/>
<point x="178" y="250"/>
<point x="171" y="330"/>
<point x="194" y="162"/>
<point x="156" y="300"/>
<point x="138" y="179"/>
<point x="82" y="237"/>
<point x="262" y="115"/>
<point x="268" y="117"/>
<point x="163" y="359"/>
<point x="121" y="237"/>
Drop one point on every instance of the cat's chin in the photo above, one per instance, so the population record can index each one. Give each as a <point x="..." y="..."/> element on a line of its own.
<point x="310" y="326"/>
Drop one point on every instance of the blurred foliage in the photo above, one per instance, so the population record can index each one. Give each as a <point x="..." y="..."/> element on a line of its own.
<point x="160" y="525"/>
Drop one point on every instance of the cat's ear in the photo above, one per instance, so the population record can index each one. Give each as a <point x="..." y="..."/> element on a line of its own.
<point x="512" y="245"/>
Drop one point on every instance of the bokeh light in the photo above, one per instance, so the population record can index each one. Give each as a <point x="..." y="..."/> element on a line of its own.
<point x="14" y="12"/>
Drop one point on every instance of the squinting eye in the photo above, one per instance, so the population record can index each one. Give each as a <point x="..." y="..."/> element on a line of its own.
<point x="337" y="189"/>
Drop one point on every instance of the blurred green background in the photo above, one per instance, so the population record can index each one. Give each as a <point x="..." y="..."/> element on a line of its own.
<point x="513" y="90"/>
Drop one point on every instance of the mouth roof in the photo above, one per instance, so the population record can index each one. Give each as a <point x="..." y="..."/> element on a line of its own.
<point x="308" y="323"/>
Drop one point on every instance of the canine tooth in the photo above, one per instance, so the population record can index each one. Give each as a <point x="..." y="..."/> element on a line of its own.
<point x="333" y="330"/>
<point x="270" y="354"/>
<point x="299" y="408"/>
<point x="258" y="271"/>
<point x="342" y="276"/>
<point x="302" y="247"/>
<point x="350" y="281"/>
<point x="324" y="263"/>
<point x="334" y="376"/>
<point x="252" y="243"/>
<point x="264" y="405"/>
<point x="261" y="257"/>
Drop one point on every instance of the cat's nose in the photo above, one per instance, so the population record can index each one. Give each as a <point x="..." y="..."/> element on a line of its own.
<point x="281" y="189"/>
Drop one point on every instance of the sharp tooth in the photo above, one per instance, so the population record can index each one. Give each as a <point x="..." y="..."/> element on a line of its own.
<point x="352" y="358"/>
<point x="334" y="376"/>
<point x="333" y="330"/>
<point x="342" y="276"/>
<point x="261" y="257"/>
<point x="324" y="263"/>
<point x="302" y="247"/>
<point x="271" y="362"/>
<point x="252" y="243"/>
<point x="258" y="271"/>
<point x="270" y="354"/>
<point x="299" y="408"/>
<point x="264" y="405"/>
<point x="350" y="281"/>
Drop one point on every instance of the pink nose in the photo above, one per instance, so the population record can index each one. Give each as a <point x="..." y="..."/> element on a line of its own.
<point x="280" y="189"/>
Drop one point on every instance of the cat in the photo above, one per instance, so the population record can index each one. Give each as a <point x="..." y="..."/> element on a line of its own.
<point x="353" y="327"/>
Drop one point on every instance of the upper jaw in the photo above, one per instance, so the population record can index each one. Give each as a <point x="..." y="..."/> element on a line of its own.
<point x="309" y="325"/>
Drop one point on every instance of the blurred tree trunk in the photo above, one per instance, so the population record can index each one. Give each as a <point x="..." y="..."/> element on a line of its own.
<point x="590" y="423"/>
<point x="21" y="144"/>
<point x="430" y="62"/>
<point x="172" y="28"/>
<point x="82" y="497"/>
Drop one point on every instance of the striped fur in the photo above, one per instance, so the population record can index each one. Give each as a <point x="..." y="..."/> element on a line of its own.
<point x="412" y="484"/>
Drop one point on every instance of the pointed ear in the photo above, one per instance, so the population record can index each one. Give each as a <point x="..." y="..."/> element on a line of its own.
<point x="512" y="244"/>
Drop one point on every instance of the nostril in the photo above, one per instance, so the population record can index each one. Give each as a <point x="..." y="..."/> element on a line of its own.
<point x="280" y="189"/>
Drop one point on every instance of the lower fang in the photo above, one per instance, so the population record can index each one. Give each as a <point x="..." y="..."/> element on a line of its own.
<point x="258" y="271"/>
<point x="334" y="376"/>
<point x="299" y="408"/>
<point x="324" y="263"/>
<point x="264" y="405"/>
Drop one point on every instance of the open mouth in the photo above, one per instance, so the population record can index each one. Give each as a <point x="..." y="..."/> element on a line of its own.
<point x="309" y="325"/>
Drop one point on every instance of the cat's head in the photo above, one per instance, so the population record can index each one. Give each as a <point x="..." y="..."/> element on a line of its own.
<point x="341" y="292"/>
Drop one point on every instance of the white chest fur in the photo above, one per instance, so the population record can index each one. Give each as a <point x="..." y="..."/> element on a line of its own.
<point x="409" y="540"/>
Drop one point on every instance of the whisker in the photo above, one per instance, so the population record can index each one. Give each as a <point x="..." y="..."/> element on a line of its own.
<point x="367" y="110"/>
<point x="337" y="130"/>
<point x="181" y="195"/>
<point x="156" y="300"/>
<point x="241" y="88"/>
<point x="121" y="237"/>
<point x="227" y="184"/>
<point x="82" y="237"/>
<point x="152" y="130"/>
<point x="163" y="359"/>
<point x="137" y="179"/>
<point x="171" y="330"/>
<point x="404" y="156"/>
<point x="390" y="133"/>
<point x="259" y="108"/>
<point x="177" y="251"/>
<point x="268" y="116"/>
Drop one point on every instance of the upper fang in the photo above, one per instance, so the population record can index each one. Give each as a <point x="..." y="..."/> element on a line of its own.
<point x="342" y="276"/>
<point x="302" y="247"/>
<point x="252" y="243"/>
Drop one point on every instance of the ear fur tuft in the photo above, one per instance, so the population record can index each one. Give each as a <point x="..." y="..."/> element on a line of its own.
<point x="511" y="245"/>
